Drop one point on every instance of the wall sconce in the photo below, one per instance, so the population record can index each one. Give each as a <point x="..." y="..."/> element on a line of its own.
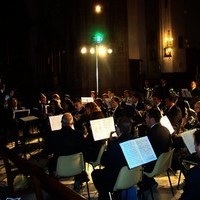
<point x="168" y="46"/>
<point x="168" y="52"/>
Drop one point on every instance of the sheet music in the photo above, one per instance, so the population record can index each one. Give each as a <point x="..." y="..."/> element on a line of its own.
<point x="138" y="151"/>
<point x="101" y="128"/>
<point x="186" y="93"/>
<point x="166" y="123"/>
<point x="131" y="153"/>
<point x="188" y="139"/>
<point x="55" y="122"/>
<point x="85" y="100"/>
<point x="146" y="149"/>
<point x="29" y="118"/>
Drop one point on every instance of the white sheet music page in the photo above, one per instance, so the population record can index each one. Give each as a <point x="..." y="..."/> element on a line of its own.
<point x="138" y="151"/>
<point x="101" y="128"/>
<point x="85" y="100"/>
<point x="55" y="122"/>
<point x="166" y="123"/>
<point x="131" y="153"/>
<point x="188" y="139"/>
<point x="146" y="150"/>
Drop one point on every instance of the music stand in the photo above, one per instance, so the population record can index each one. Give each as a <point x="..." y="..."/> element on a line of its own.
<point x="27" y="122"/>
<point x="21" y="113"/>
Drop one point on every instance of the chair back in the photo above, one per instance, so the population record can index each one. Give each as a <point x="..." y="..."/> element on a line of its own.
<point x="70" y="165"/>
<point x="163" y="163"/>
<point x="128" y="178"/>
<point x="98" y="160"/>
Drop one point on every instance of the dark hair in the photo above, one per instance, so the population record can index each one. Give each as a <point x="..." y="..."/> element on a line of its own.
<point x="171" y="97"/>
<point x="117" y="99"/>
<point x="77" y="100"/>
<point x="136" y="95"/>
<point x="124" y="124"/>
<point x="98" y="101"/>
<point x="197" y="137"/>
<point x="157" y="94"/>
<point x="92" y="106"/>
<point x="154" y="113"/>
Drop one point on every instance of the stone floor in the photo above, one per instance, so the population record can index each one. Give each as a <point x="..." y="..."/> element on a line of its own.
<point x="162" y="192"/>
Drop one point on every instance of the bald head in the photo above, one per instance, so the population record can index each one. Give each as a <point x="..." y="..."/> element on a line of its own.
<point x="67" y="119"/>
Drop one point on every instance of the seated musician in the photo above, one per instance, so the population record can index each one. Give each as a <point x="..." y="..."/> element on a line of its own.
<point x="92" y="112"/>
<point x="192" y="181"/>
<point x="12" y="124"/>
<point x="66" y="141"/>
<point x="160" y="139"/>
<point x="112" y="160"/>
<point x="40" y="110"/>
<point x="77" y="113"/>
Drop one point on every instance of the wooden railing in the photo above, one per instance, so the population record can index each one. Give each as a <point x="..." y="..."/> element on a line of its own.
<point x="40" y="180"/>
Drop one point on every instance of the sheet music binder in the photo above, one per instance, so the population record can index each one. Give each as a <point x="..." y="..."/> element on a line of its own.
<point x="188" y="139"/>
<point x="166" y="123"/>
<point x="55" y="122"/>
<point x="138" y="151"/>
<point x="101" y="128"/>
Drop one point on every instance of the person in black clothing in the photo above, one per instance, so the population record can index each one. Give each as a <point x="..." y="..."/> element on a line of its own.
<point x="40" y="110"/>
<point x="67" y="104"/>
<point x="163" y="88"/>
<point x="92" y="112"/>
<point x="102" y="106"/>
<point x="158" y="102"/>
<point x="117" y="110"/>
<point x="137" y="102"/>
<point x="78" y="113"/>
<point x="11" y="121"/>
<point x="112" y="159"/>
<point x="66" y="141"/>
<point x="174" y="113"/>
<point x="195" y="92"/>
<point x="161" y="141"/>
<point x="158" y="135"/>
<point x="54" y="108"/>
<point x="192" y="181"/>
